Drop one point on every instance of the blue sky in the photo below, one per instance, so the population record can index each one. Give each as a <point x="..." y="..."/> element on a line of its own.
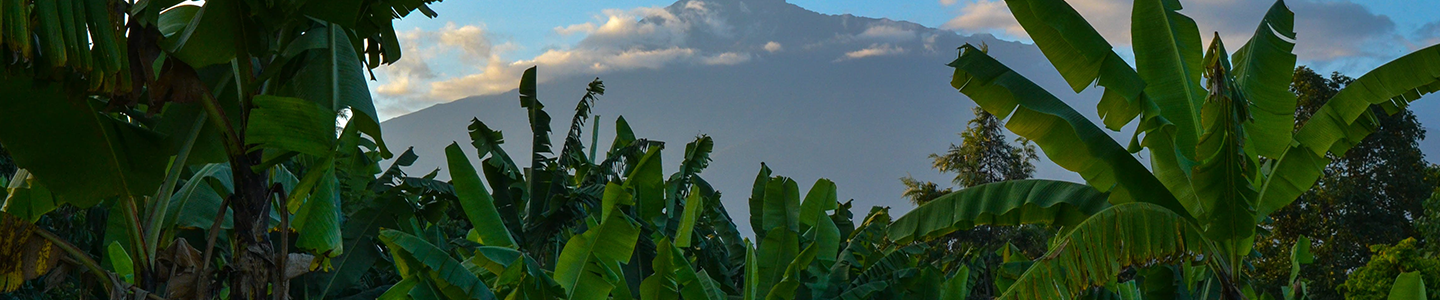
<point x="479" y="37"/>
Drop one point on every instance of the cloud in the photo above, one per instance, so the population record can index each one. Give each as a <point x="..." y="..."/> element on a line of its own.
<point x="403" y="78"/>
<point x="1328" y="31"/>
<point x="986" y="16"/>
<point x="947" y="2"/>
<point x="1429" y="34"/>
<point x="873" y="50"/>
<point x="469" y="39"/>
<point x="773" y="47"/>
<point x="727" y="58"/>
<point x="582" y="28"/>
<point x="616" y="40"/>
<point x="887" y="33"/>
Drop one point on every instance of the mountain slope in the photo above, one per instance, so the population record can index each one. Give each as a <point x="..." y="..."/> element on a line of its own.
<point x="861" y="101"/>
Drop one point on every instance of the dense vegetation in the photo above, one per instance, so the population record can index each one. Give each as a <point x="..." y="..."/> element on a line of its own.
<point x="231" y="150"/>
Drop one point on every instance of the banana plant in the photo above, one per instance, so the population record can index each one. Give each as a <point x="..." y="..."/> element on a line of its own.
<point x="1217" y="125"/>
<point x="135" y="96"/>
<point x="619" y="229"/>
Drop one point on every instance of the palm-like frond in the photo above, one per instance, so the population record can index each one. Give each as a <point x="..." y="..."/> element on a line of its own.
<point x="1003" y="203"/>
<point x="1131" y="234"/>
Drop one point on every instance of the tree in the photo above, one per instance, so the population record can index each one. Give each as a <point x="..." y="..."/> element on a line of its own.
<point x="115" y="103"/>
<point x="1374" y="280"/>
<point x="1429" y="225"/>
<point x="921" y="192"/>
<point x="983" y="156"/>
<point x="1225" y="154"/>
<point x="1371" y="195"/>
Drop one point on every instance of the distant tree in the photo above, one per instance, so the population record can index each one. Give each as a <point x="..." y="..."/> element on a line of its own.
<point x="921" y="192"/>
<point x="983" y="156"/>
<point x="1370" y="196"/>
<point x="1374" y="280"/>
<point x="1429" y="225"/>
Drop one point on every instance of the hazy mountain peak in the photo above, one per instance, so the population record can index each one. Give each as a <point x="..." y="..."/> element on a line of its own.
<point x="774" y="25"/>
<point x="858" y="100"/>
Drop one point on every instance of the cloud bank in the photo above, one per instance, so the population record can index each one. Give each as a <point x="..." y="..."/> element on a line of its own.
<point x="1339" y="35"/>
<point x="616" y="40"/>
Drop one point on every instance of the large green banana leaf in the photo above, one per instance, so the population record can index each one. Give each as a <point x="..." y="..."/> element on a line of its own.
<point x="1067" y="138"/>
<point x="358" y="234"/>
<point x="751" y="286"/>
<point x="1222" y="180"/>
<point x="1263" y="69"/>
<point x="415" y="257"/>
<point x="501" y="173"/>
<point x="674" y="277"/>
<point x="336" y="81"/>
<point x="694" y="207"/>
<point x="1408" y="286"/>
<point x="1083" y="57"/>
<point x="291" y="124"/>
<point x="779" y="248"/>
<point x="818" y="200"/>
<point x="1345" y="120"/>
<point x="318" y="220"/>
<point x="1016" y="202"/>
<point x="26" y="198"/>
<point x="785" y="288"/>
<point x="781" y="206"/>
<point x="647" y="181"/>
<point x="958" y="286"/>
<point x="1168" y="58"/>
<point x="477" y="203"/>
<point x="82" y="156"/>
<point x="757" y="201"/>
<point x="583" y="267"/>
<point x="1104" y="245"/>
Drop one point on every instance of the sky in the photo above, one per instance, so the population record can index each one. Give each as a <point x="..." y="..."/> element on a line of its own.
<point x="474" y="46"/>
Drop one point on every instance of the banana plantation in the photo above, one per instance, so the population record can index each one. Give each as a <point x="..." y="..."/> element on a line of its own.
<point x="230" y="149"/>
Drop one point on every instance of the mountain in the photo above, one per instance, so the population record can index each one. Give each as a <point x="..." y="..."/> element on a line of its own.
<point x="861" y="101"/>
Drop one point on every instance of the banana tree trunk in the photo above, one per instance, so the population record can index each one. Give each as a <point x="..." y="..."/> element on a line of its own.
<point x="253" y="253"/>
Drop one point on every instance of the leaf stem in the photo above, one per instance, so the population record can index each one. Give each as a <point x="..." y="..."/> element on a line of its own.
<point x="162" y="200"/>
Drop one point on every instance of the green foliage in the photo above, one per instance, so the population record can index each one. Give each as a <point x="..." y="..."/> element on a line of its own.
<point x="1008" y="203"/>
<point x="1378" y="183"/>
<point x="1375" y="279"/>
<point x="984" y="155"/>
<point x="226" y="110"/>
<point x="1218" y="166"/>
<point x="1429" y="224"/>
<point x="1408" y="286"/>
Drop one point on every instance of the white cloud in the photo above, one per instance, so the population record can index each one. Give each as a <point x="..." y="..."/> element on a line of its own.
<point x="947" y="2"/>
<point x="773" y="47"/>
<point x="887" y="33"/>
<point x="1428" y="34"/>
<point x="469" y="39"/>
<point x="582" y="28"/>
<point x="640" y="38"/>
<point x="1327" y="30"/>
<point x="873" y="50"/>
<point x="727" y="58"/>
<point x="986" y="16"/>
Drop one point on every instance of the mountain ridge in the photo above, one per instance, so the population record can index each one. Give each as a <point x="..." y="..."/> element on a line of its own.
<point x="816" y="106"/>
